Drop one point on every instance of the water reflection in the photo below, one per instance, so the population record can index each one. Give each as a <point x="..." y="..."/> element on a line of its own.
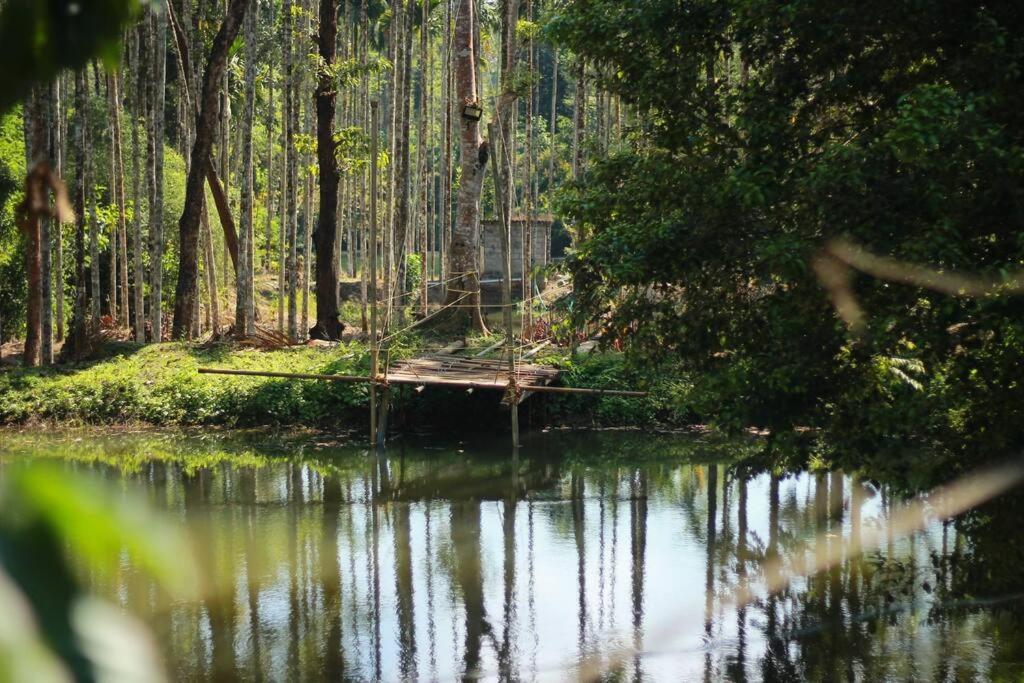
<point x="470" y="562"/>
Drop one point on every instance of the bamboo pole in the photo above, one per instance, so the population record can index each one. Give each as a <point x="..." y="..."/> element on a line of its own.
<point x="385" y="380"/>
<point x="374" y="342"/>
<point x="506" y="266"/>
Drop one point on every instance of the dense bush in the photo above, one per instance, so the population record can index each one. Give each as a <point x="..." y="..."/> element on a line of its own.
<point x="764" y="131"/>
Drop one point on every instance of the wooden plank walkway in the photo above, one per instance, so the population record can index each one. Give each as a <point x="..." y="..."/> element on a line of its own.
<point x="458" y="371"/>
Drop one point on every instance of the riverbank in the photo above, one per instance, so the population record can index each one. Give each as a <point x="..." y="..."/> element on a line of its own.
<point x="159" y="385"/>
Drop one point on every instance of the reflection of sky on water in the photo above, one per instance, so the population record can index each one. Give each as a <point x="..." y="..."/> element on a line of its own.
<point x="346" y="566"/>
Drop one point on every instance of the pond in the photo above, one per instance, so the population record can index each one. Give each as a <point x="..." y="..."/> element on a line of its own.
<point x="445" y="560"/>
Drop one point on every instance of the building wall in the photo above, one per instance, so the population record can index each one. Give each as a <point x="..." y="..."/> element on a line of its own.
<point x="490" y="240"/>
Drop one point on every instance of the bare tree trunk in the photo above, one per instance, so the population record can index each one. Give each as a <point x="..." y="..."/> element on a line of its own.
<point x="579" y="122"/>
<point x="138" y="277"/>
<point x="210" y="270"/>
<point x="58" y="237"/>
<point x="35" y="152"/>
<point x="224" y="148"/>
<point x="291" y="114"/>
<point x="156" y="211"/>
<point x="402" y="150"/>
<point x="47" y="227"/>
<point x="188" y="225"/>
<point x="307" y="248"/>
<point x="78" y="341"/>
<point x="327" y="324"/>
<point x="554" y="120"/>
<point x="424" y="213"/>
<point x="60" y="95"/>
<point x="245" y="319"/>
<point x="112" y="293"/>
<point x="120" y="253"/>
<point x="446" y="143"/>
<point x="465" y="244"/>
<point x="270" y="122"/>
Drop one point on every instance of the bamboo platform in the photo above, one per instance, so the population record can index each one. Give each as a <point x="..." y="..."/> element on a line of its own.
<point x="480" y="373"/>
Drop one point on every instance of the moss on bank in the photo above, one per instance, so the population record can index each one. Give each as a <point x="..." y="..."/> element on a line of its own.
<point x="159" y="384"/>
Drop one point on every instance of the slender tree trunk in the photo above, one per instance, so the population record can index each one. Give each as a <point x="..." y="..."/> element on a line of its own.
<point x="270" y="124"/>
<point x="138" y="276"/>
<point x="224" y="148"/>
<point x="291" y="114"/>
<point x="327" y="324"/>
<point x="446" y="143"/>
<point x="112" y="242"/>
<point x="120" y="254"/>
<point x="78" y="340"/>
<point x="422" y="154"/>
<point x="61" y="94"/>
<point x="47" y="226"/>
<point x="404" y="191"/>
<point x="579" y="122"/>
<point x="554" y="120"/>
<point x="465" y="244"/>
<point x="307" y="248"/>
<point x="245" y="320"/>
<point x="210" y="270"/>
<point x="58" y="236"/>
<point x="156" y="211"/>
<point x="35" y="153"/>
<point x="188" y="225"/>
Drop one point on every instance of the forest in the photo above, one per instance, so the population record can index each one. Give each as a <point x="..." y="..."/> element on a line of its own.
<point x="786" y="236"/>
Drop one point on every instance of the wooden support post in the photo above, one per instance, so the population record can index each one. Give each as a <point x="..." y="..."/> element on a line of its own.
<point x="374" y="343"/>
<point x="498" y="149"/>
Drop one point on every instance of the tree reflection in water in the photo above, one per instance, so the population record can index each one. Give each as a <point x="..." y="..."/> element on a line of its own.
<point x="441" y="564"/>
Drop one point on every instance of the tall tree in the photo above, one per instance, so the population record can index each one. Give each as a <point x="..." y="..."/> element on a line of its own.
<point x="47" y="227"/>
<point x="188" y="225"/>
<point x="156" y="209"/>
<point x="463" y="269"/>
<point x="77" y="342"/>
<point x="245" y="319"/>
<point x="138" y="277"/>
<point x="60" y="143"/>
<point x="35" y="153"/>
<point x="119" y="251"/>
<point x="291" y="115"/>
<point x="328" y="326"/>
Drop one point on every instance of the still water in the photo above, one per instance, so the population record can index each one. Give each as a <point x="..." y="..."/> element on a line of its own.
<point x="453" y="560"/>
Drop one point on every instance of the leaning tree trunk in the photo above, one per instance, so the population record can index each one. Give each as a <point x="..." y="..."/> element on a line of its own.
<point x="245" y="319"/>
<point x="327" y="324"/>
<point x="188" y="225"/>
<point x="464" y="291"/>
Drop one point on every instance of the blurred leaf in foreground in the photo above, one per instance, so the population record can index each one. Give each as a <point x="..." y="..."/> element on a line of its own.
<point x="53" y="629"/>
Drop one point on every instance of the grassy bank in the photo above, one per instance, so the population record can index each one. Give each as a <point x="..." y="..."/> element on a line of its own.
<point x="159" y="385"/>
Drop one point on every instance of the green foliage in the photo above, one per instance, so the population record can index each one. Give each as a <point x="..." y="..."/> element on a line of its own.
<point x="667" y="405"/>
<point x="12" y="261"/>
<point x="38" y="39"/>
<point x="899" y="127"/>
<point x="413" y="272"/>
<point x="159" y="384"/>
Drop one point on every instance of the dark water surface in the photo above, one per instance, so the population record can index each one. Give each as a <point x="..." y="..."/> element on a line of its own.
<point x="434" y="561"/>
